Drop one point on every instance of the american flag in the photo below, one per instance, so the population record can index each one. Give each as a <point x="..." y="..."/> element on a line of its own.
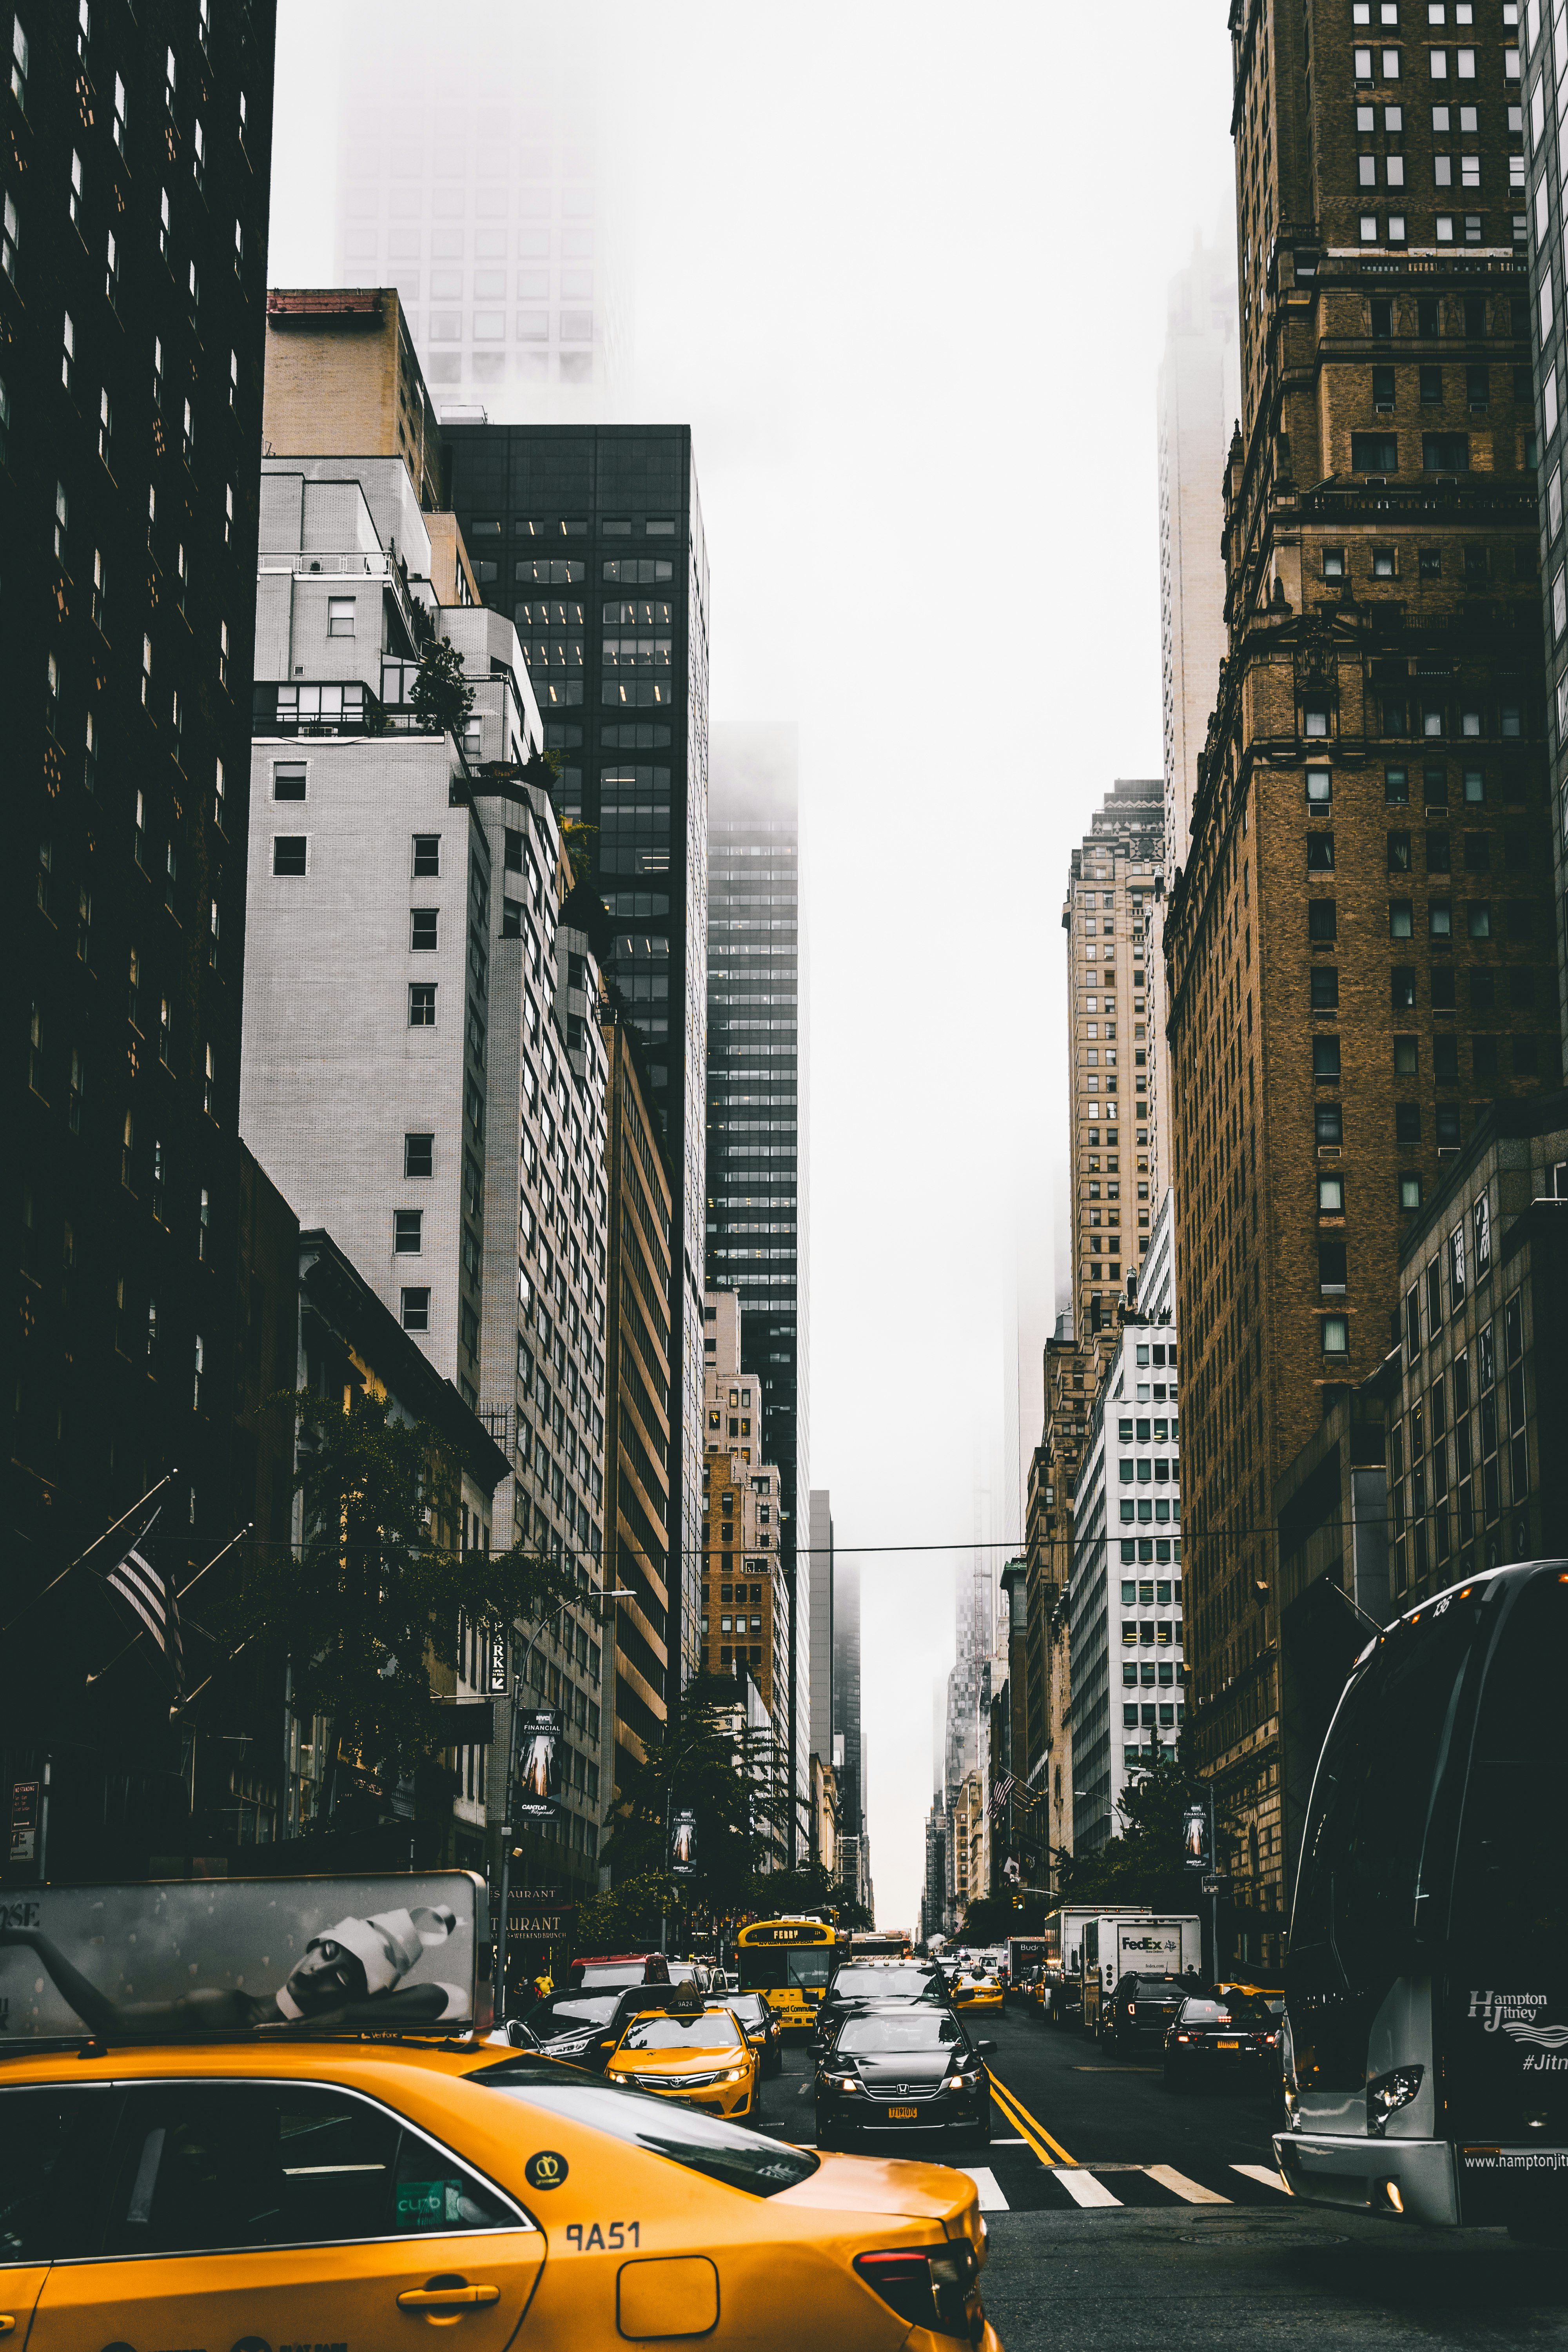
<point x="152" y="1595"/>
<point x="1003" y="1789"/>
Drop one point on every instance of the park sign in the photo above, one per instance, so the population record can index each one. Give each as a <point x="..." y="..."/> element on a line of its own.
<point x="180" y="1960"/>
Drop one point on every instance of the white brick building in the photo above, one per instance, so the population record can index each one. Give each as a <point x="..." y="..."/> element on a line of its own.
<point x="419" y="1075"/>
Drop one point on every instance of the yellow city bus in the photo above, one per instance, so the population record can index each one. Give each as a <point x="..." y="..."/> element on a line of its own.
<point x="788" y="1961"/>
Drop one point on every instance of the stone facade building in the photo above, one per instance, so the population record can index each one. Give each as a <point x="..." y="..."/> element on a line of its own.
<point x="1119" y="1144"/>
<point x="1358" y="946"/>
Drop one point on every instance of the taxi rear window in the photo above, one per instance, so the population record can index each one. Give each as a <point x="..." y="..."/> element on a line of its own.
<point x="741" y="2159"/>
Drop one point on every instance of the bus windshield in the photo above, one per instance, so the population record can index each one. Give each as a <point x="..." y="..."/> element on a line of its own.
<point x="770" y="1967"/>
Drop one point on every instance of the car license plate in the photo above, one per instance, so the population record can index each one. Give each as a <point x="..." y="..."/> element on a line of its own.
<point x="1229" y="2045"/>
<point x="903" y="2114"/>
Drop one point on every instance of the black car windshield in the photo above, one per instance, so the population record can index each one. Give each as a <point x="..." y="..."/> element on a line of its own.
<point x="878" y="1983"/>
<point x="1155" y="1996"/>
<point x="911" y="2029"/>
<point x="564" y="2012"/>
<point x="724" y="2152"/>
<point x="633" y="1973"/>
<point x="749" y="2007"/>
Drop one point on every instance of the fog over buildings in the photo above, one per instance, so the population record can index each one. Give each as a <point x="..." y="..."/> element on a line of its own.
<point x="883" y="366"/>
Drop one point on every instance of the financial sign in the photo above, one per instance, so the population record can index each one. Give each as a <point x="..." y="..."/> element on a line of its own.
<point x="1196" y="1838"/>
<point x="539" y="1746"/>
<point x="683" y="1844"/>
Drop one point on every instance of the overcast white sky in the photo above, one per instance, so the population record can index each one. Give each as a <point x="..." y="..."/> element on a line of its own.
<point x="903" y="270"/>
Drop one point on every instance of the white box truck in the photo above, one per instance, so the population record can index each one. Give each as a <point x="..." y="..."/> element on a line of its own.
<point x="1114" y="1947"/>
<point x="1061" y="1962"/>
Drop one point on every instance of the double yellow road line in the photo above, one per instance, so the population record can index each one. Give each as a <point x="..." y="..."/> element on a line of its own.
<point x="1049" y="2150"/>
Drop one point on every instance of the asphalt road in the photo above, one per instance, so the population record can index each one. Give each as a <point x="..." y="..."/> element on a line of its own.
<point x="1119" y="2211"/>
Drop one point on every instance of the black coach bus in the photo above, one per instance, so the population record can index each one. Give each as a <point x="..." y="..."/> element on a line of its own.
<point x="1425" y="2044"/>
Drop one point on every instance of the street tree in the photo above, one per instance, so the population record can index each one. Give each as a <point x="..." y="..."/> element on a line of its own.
<point x="375" y="1591"/>
<point x="709" y="1762"/>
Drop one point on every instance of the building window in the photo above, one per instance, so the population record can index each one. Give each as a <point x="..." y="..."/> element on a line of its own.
<point x="1329" y="1124"/>
<point x="288" y="852"/>
<point x="340" y="616"/>
<point x="1326" y="1060"/>
<point x="1325" y="997"/>
<point x="288" y="779"/>
<point x="427" y="854"/>
<point x="406" y="1230"/>
<point x="1320" y="921"/>
<point x="417" y="1310"/>
<point x="419" y="1155"/>
<point x="424" y="924"/>
<point x="421" y="1004"/>
<point x="1410" y="1191"/>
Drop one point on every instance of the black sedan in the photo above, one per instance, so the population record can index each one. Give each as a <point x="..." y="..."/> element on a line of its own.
<point x="862" y="1983"/>
<point x="1220" y="2034"/>
<point x="907" y="2068"/>
<point x="1139" y="2010"/>
<point x="762" y="2026"/>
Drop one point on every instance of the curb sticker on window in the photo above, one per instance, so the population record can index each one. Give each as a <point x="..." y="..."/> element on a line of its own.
<point x="427" y="2204"/>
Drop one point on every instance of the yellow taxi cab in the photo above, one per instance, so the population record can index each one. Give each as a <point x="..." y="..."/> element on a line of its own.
<point x="354" y="2191"/>
<point x="264" y="2112"/>
<point x="692" y="2049"/>
<point x="976" y="1992"/>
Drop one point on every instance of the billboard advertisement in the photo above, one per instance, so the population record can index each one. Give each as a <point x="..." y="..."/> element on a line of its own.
<point x="539" y="1759"/>
<point x="160" y="1960"/>
<point x="1195" y="1837"/>
<point x="683" y="1844"/>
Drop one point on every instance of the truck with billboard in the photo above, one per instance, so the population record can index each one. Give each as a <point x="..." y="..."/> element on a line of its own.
<point x="1115" y="1947"/>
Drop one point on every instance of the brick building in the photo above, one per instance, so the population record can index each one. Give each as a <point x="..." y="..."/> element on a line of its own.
<point x="1119" y="1154"/>
<point x="341" y="374"/>
<point x="1360" y="947"/>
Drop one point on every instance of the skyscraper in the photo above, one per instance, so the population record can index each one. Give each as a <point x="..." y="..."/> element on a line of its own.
<point x="758" y="1102"/>
<point x="820" y="1537"/>
<point x="1120" y="1141"/>
<point x="590" y="539"/>
<point x="848" y="1744"/>
<point x="1546" y="68"/>
<point x="481" y="186"/>
<point x="1360" y="949"/>
<point x="1199" y="396"/>
<point x="133" y="223"/>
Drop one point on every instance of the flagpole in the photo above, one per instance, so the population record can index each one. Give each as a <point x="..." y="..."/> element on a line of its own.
<point x="76" y="1563"/>
<point x="176" y="1712"/>
<point x="248" y="1529"/>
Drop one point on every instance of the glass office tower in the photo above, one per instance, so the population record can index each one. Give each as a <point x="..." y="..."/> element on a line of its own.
<point x="590" y="539"/>
<point x="757" y="1160"/>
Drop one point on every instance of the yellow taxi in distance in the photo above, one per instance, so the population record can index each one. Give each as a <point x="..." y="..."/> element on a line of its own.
<point x="696" y="2050"/>
<point x="976" y="1992"/>
<point x="356" y="2190"/>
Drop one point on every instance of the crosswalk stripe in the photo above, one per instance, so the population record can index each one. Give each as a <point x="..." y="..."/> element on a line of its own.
<point x="991" y="2197"/>
<point x="1268" y="2174"/>
<point x="1192" y="2191"/>
<point x="1084" y="2189"/>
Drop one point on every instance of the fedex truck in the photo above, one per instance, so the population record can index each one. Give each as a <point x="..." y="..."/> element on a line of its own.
<point x="1061" y="1961"/>
<point x="1117" y="1948"/>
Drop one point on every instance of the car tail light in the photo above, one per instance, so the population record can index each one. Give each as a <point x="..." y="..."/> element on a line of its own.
<point x="1183" y="2037"/>
<point x="928" y="2288"/>
<point x="1131" y="2007"/>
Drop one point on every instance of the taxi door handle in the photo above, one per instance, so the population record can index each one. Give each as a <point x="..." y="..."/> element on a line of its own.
<point x="446" y="2298"/>
<point x="6" y="2323"/>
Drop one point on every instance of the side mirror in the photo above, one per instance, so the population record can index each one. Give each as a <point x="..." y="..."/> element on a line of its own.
<point x="985" y="2049"/>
